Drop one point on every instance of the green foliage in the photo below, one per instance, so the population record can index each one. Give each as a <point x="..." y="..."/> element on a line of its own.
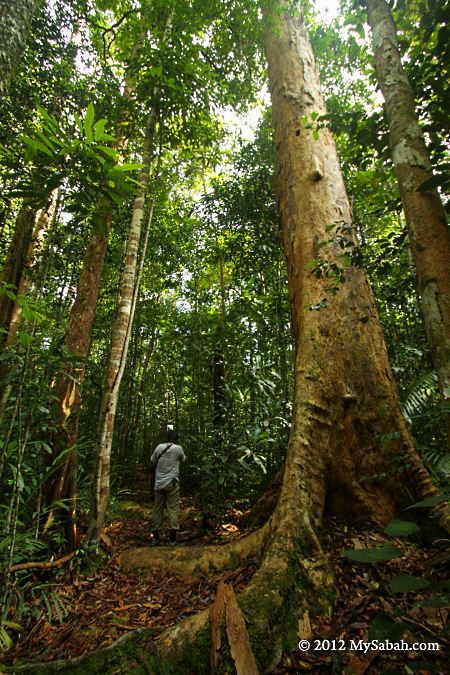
<point x="384" y="626"/>
<point x="5" y="639"/>
<point x="401" y="528"/>
<point x="406" y="583"/>
<point x="80" y="161"/>
<point x="374" y="555"/>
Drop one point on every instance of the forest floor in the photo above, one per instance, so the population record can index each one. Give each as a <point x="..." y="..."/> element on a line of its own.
<point x="86" y="610"/>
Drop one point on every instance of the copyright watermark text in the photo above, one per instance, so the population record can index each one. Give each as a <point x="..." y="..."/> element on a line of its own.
<point x="362" y="646"/>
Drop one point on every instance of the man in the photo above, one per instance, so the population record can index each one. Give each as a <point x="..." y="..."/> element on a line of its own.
<point x="166" y="458"/>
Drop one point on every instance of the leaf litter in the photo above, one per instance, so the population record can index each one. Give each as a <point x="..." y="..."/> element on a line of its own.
<point x="98" y="607"/>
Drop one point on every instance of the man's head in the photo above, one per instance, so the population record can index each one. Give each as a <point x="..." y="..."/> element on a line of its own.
<point x="171" y="434"/>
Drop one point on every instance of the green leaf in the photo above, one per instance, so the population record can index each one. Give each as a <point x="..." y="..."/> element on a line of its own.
<point x="110" y="152"/>
<point x="405" y="583"/>
<point x="78" y="122"/>
<point x="438" y="601"/>
<point x="373" y="555"/>
<point x="88" y="122"/>
<point x="430" y="501"/>
<point x="99" y="129"/>
<point x="127" y="166"/>
<point x="25" y="339"/>
<point x="50" y="143"/>
<point x="36" y="145"/>
<point x="114" y="196"/>
<point x="401" y="528"/>
<point x="383" y="627"/>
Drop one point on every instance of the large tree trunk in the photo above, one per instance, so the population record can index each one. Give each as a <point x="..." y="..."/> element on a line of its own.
<point x="15" y="18"/>
<point x="427" y="226"/>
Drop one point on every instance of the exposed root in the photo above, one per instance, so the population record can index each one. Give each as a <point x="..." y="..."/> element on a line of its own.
<point x="130" y="649"/>
<point x="196" y="559"/>
<point x="278" y="595"/>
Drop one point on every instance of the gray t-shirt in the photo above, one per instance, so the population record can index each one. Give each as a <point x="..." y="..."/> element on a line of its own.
<point x="168" y="466"/>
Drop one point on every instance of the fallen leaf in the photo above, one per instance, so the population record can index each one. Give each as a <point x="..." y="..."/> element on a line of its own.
<point x="304" y="627"/>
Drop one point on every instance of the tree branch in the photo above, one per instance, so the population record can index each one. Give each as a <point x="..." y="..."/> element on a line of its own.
<point x="43" y="565"/>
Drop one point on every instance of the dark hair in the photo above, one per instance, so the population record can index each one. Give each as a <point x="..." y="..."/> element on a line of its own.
<point x="171" y="436"/>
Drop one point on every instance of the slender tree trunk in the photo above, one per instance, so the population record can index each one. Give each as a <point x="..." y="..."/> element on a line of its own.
<point x="43" y="221"/>
<point x="69" y="382"/>
<point x="15" y="18"/>
<point x="15" y="263"/>
<point x="428" y="231"/>
<point x="119" y="345"/>
<point x="142" y="393"/>
<point x="13" y="309"/>
<point x="219" y="363"/>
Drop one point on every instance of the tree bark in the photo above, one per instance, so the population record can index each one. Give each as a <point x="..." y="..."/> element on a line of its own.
<point x="15" y="18"/>
<point x="69" y="382"/>
<point x="24" y="284"/>
<point x="119" y="346"/>
<point x="15" y="264"/>
<point x="425" y="216"/>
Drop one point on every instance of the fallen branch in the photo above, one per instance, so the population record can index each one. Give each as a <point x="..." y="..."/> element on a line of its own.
<point x="124" y="626"/>
<point x="238" y="639"/>
<point x="43" y="565"/>
<point x="426" y="629"/>
<point x="240" y="648"/>
<point x="215" y="617"/>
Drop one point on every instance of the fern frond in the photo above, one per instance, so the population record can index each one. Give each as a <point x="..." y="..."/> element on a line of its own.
<point x="418" y="394"/>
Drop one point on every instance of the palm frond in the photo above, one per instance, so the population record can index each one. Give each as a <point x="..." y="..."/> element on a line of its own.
<point x="419" y="394"/>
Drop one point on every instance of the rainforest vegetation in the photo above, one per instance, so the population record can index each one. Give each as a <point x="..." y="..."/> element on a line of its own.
<point x="230" y="217"/>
